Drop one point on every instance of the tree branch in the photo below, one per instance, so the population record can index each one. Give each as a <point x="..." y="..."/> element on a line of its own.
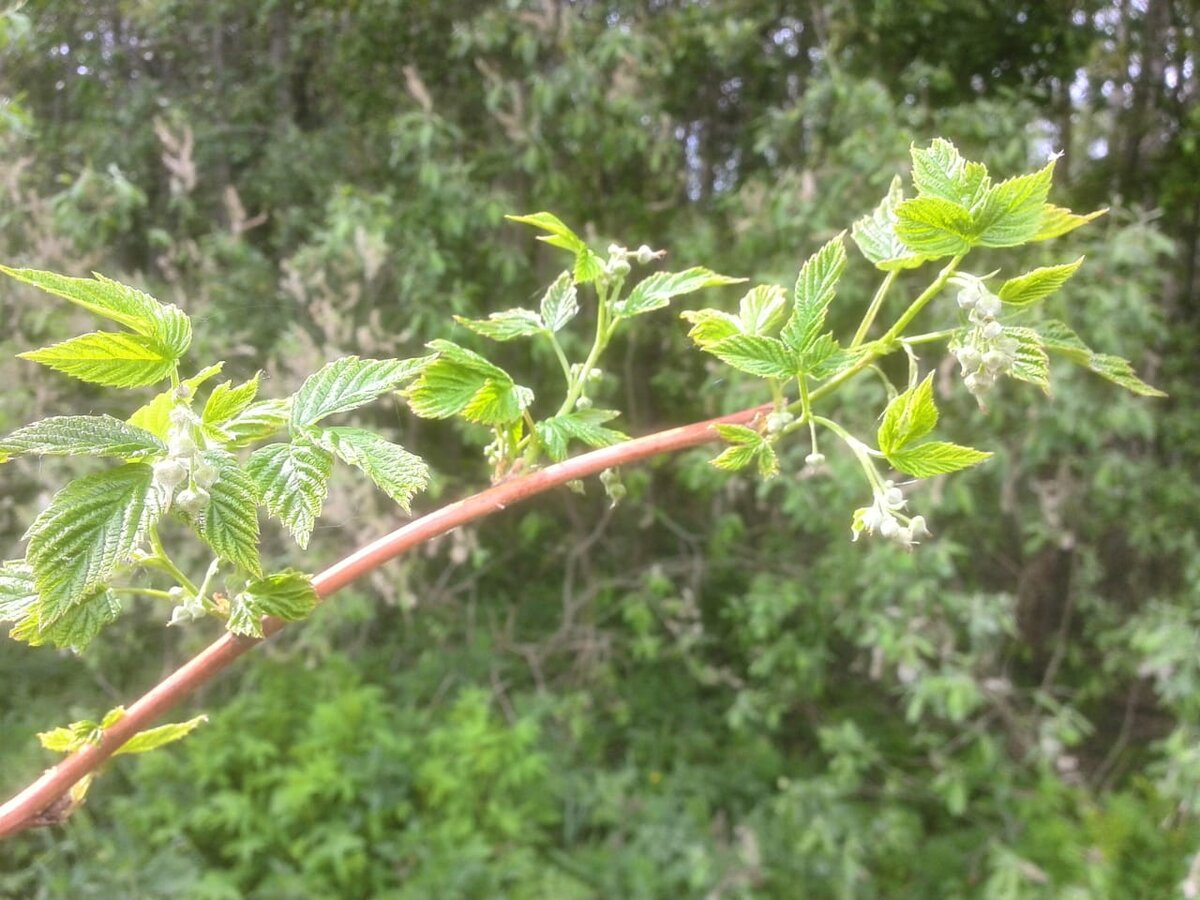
<point x="44" y="802"/>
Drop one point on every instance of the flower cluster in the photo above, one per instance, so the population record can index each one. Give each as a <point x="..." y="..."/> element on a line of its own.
<point x="184" y="465"/>
<point x="986" y="352"/>
<point x="885" y="516"/>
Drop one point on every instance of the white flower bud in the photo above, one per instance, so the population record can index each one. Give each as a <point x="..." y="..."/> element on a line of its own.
<point x="968" y="297"/>
<point x="889" y="527"/>
<point x="595" y="374"/>
<point x="814" y="459"/>
<point x="645" y="254"/>
<point x="974" y="383"/>
<point x="178" y="594"/>
<point x="181" y="415"/>
<point x="872" y="518"/>
<point x="893" y="497"/>
<point x="996" y="361"/>
<point x="616" y="250"/>
<point x="583" y="403"/>
<point x="619" y="268"/>
<point x="917" y="526"/>
<point x="969" y="357"/>
<point x="185" y="392"/>
<point x="181" y="444"/>
<point x="192" y="501"/>
<point x="170" y="473"/>
<point x="903" y="536"/>
<point x="205" y="475"/>
<point x="993" y="330"/>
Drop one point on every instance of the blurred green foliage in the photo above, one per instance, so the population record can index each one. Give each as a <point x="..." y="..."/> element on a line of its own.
<point x="708" y="691"/>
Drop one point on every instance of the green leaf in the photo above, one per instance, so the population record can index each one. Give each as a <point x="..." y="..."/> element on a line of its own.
<point x="875" y="234"/>
<point x="711" y="325"/>
<point x="292" y="481"/>
<point x="229" y="524"/>
<point x="762" y="309"/>
<point x="940" y="171"/>
<point x="287" y="595"/>
<point x="227" y="401"/>
<point x="507" y="325"/>
<point x="815" y="289"/>
<point x="155" y="416"/>
<point x="399" y="474"/>
<point x="560" y="304"/>
<point x="83" y="436"/>
<point x="1056" y="221"/>
<point x="584" y="425"/>
<point x="75" y="628"/>
<point x="87" y="532"/>
<point x="1057" y="337"/>
<point x="459" y="382"/>
<point x="934" y="227"/>
<point x="1031" y="364"/>
<point x="257" y="422"/>
<point x="908" y="417"/>
<point x="165" y="326"/>
<point x="588" y="266"/>
<point x="657" y="290"/>
<point x="935" y="458"/>
<point x="754" y="354"/>
<point x="1011" y="213"/>
<point x="153" y="738"/>
<point x="347" y="384"/>
<point x="109" y="358"/>
<point x="18" y="593"/>
<point x="746" y="446"/>
<point x="1032" y="287"/>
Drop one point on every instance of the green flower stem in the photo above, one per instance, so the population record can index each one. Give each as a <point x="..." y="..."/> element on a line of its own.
<point x="603" y="333"/>
<point x="143" y="592"/>
<point x="562" y="357"/>
<point x="930" y="337"/>
<point x="860" y="450"/>
<point x="163" y="562"/>
<point x="805" y="399"/>
<point x="873" y="310"/>
<point x="777" y="394"/>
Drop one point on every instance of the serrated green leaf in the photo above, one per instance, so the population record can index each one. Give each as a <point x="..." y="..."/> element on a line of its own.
<point x="588" y="266"/>
<point x="164" y="325"/>
<point x="584" y="425"/>
<point x="746" y="446"/>
<point x="83" y="436"/>
<point x="815" y="290"/>
<point x="292" y="481"/>
<point x="507" y="325"/>
<point x="153" y="738"/>
<point x="875" y="234"/>
<point x="75" y="628"/>
<point x="934" y="227"/>
<point x="87" y="532"/>
<point x="731" y="459"/>
<point x="257" y="422"/>
<point x="657" y="290"/>
<point x="1057" y="337"/>
<point x="1056" y="222"/>
<point x="109" y="358"/>
<point x="762" y="309"/>
<point x="1011" y="213"/>
<point x="459" y="382"/>
<point x="935" y="458"/>
<point x="1031" y="364"/>
<point x="227" y="401"/>
<point x="560" y="303"/>
<point x="908" y="417"/>
<point x="347" y="384"/>
<point x="754" y="354"/>
<point x="18" y="594"/>
<point x="940" y="171"/>
<point x="1037" y="285"/>
<point x="710" y="326"/>
<point x="287" y="595"/>
<point x="155" y="416"/>
<point x="229" y="524"/>
<point x="399" y="474"/>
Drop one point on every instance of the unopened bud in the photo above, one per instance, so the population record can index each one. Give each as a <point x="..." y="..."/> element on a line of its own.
<point x="619" y="268"/>
<point x="814" y="459"/>
<point x="181" y="444"/>
<point x="968" y="297"/>
<point x="192" y="501"/>
<point x="995" y="361"/>
<point x="205" y="475"/>
<point x="645" y="255"/>
<point x="583" y="403"/>
<point x="889" y="527"/>
<point x="969" y="357"/>
<point x="595" y="374"/>
<point x="170" y="473"/>
<point x="616" y="250"/>
<point x="917" y="527"/>
<point x="893" y="497"/>
<point x="993" y="330"/>
<point x="988" y="306"/>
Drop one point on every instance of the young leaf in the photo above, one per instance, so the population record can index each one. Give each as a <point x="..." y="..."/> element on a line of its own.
<point x="505" y="326"/>
<point x="347" y="384"/>
<point x="940" y="171"/>
<point x="584" y="425"/>
<point x="765" y="357"/>
<point x="746" y="446"/>
<point x="257" y="422"/>
<point x="153" y="738"/>
<point x="815" y="289"/>
<point x="87" y="532"/>
<point x="908" y="417"/>
<point x="83" y="436"/>
<point x="459" y="382"/>
<point x="1011" y="213"/>
<point x="711" y="325"/>
<point x="934" y="227"/>
<point x="588" y="266"/>
<point x="227" y="401"/>
<point x="292" y="481"/>
<point x="560" y="304"/>
<point x="1059" y="338"/>
<point x="287" y="595"/>
<point x="229" y="524"/>
<point x="165" y="326"/>
<point x="75" y="628"/>
<point x="657" y="290"/>
<point x="109" y="358"/>
<point x="762" y="309"/>
<point x="1056" y="221"/>
<point x="1031" y="363"/>
<point x="875" y="234"/>
<point x="935" y="458"/>
<point x="155" y="416"/>
<point x="1032" y="287"/>
<point x="399" y="474"/>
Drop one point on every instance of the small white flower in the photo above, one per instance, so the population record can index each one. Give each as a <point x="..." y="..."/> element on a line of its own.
<point x="192" y="501"/>
<point x="993" y="330"/>
<point x="997" y="361"/>
<point x="988" y="306"/>
<point x="170" y="473"/>
<point x="917" y="528"/>
<point x="814" y="459"/>
<point x="205" y="475"/>
<point x="181" y="443"/>
<point x="889" y="527"/>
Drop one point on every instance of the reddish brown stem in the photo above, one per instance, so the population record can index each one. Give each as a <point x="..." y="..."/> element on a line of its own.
<point x="36" y="804"/>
